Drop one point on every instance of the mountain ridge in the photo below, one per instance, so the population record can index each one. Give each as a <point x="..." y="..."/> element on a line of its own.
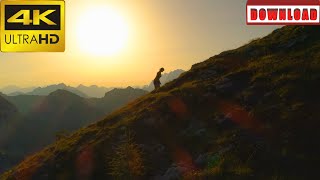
<point x="51" y="88"/>
<point x="92" y="91"/>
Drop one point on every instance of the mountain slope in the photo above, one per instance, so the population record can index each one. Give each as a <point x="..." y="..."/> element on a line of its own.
<point x="8" y="117"/>
<point x="61" y="111"/>
<point x="25" y="103"/>
<point x="248" y="113"/>
<point x="7" y="110"/>
<point x="8" y="113"/>
<point x="117" y="97"/>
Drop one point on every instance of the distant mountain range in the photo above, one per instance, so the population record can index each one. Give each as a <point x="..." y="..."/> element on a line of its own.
<point x="94" y="90"/>
<point x="15" y="90"/>
<point x="49" y="89"/>
<point x="29" y="122"/>
<point x="81" y="90"/>
<point x="61" y="110"/>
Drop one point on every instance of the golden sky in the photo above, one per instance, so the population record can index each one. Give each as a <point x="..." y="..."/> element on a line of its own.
<point x="173" y="34"/>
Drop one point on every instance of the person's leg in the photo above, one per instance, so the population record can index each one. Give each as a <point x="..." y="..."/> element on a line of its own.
<point x="156" y="85"/>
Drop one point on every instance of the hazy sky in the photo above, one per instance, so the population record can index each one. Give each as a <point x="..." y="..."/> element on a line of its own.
<point x="173" y="34"/>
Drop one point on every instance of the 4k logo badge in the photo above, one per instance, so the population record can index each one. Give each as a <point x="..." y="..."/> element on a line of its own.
<point x="32" y="26"/>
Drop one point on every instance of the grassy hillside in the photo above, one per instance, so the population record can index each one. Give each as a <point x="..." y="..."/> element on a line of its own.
<point x="248" y="113"/>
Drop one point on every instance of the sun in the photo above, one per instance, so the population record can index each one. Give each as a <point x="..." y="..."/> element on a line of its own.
<point x="102" y="31"/>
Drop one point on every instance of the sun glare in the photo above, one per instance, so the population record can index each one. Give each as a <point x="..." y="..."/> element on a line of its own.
<point x="102" y="31"/>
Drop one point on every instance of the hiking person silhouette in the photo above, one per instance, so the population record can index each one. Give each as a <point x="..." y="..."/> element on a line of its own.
<point x="156" y="81"/>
